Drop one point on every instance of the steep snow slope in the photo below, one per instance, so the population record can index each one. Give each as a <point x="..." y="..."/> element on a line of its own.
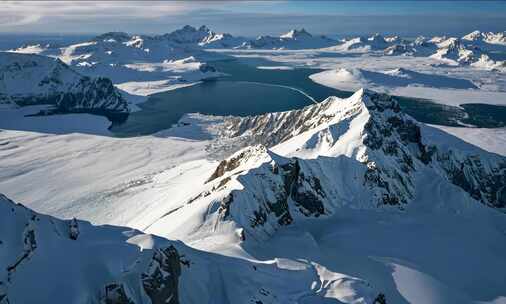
<point x="489" y="139"/>
<point x="361" y="152"/>
<point x="34" y="80"/>
<point x="97" y="264"/>
<point x="355" y="184"/>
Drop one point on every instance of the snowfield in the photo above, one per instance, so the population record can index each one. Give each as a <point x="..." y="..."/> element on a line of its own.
<point x="347" y="200"/>
<point x="339" y="233"/>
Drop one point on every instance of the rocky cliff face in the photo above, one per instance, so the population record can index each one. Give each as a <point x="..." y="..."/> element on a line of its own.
<point x="33" y="80"/>
<point x="390" y="143"/>
<point x="360" y="152"/>
<point x="159" y="280"/>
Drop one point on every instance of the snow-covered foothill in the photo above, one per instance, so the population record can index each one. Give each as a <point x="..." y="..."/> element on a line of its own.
<point x="391" y="81"/>
<point x="29" y="79"/>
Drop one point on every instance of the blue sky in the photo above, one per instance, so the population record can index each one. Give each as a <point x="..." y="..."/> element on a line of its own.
<point x="250" y="18"/>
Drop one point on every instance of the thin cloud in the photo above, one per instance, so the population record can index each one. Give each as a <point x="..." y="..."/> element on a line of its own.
<point x="18" y="13"/>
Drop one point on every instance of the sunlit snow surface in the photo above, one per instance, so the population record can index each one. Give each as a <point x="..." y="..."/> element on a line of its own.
<point x="442" y="248"/>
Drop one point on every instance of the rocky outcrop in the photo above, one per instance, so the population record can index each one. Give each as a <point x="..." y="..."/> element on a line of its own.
<point x="37" y="243"/>
<point x="189" y="34"/>
<point x="273" y="194"/>
<point x="161" y="279"/>
<point x="96" y="96"/>
<point x="73" y="229"/>
<point x="388" y="144"/>
<point x="115" y="294"/>
<point x="273" y="128"/>
<point x="3" y="293"/>
<point x="34" y="80"/>
<point x="29" y="247"/>
<point x="483" y="179"/>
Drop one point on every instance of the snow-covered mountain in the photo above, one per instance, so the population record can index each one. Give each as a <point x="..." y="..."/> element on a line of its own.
<point x="189" y="34"/>
<point x="117" y="265"/>
<point x="344" y="201"/>
<point x="223" y="41"/>
<point x="361" y="152"/>
<point x="453" y="50"/>
<point x="373" y="43"/>
<point x="294" y="39"/>
<point x="461" y="52"/>
<point x="349" y="186"/>
<point x="27" y="79"/>
<point x="492" y="38"/>
<point x="476" y="49"/>
<point x="123" y="57"/>
<point x="120" y="47"/>
<point x="203" y="37"/>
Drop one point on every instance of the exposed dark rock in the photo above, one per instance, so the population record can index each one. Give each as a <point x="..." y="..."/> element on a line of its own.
<point x="160" y="281"/>
<point x="259" y="219"/>
<point x="3" y="294"/>
<point x="223" y="182"/>
<point x="115" y="294"/>
<point x="225" y="205"/>
<point x="227" y="165"/>
<point x="73" y="229"/>
<point x="483" y="182"/>
<point x="272" y="128"/>
<point x="92" y="93"/>
<point x="29" y="245"/>
<point x="206" y="68"/>
<point x="380" y="299"/>
<point x="304" y="191"/>
<point x="55" y="83"/>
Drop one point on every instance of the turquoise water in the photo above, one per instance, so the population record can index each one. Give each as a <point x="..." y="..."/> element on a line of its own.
<point x="251" y="91"/>
<point x="246" y="91"/>
<point x="211" y="97"/>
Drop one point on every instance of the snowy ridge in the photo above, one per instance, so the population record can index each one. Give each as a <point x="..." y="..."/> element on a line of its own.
<point x="294" y="39"/>
<point x="492" y="38"/>
<point x="108" y="264"/>
<point x="361" y="152"/>
<point x="473" y="49"/>
<point x="27" y="79"/>
<point x="364" y="44"/>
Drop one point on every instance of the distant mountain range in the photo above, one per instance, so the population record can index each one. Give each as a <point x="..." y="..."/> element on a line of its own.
<point x="343" y="201"/>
